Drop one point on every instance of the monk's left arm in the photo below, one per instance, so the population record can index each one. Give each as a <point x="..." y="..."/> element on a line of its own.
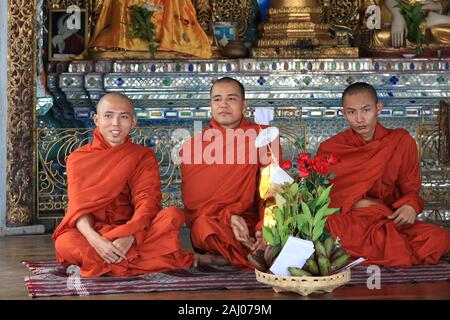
<point x="409" y="182"/>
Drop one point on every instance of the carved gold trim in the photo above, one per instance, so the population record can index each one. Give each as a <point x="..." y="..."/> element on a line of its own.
<point x="293" y="10"/>
<point x="20" y="95"/>
<point x="336" y="52"/>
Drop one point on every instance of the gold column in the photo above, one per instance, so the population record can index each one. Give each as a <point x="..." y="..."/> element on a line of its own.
<point x="20" y="95"/>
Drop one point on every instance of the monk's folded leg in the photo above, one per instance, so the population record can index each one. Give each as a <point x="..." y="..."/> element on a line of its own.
<point x="210" y="235"/>
<point x="73" y="248"/>
<point x="161" y="249"/>
<point x="428" y="242"/>
<point x="368" y="233"/>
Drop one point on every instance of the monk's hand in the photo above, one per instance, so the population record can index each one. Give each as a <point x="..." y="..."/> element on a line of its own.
<point x="240" y="231"/>
<point x="105" y="249"/>
<point x="259" y="243"/>
<point x="123" y="245"/>
<point x="404" y="216"/>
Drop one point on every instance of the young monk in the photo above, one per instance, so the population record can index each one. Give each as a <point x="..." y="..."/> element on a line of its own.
<point x="377" y="188"/>
<point x="220" y="171"/>
<point x="113" y="225"/>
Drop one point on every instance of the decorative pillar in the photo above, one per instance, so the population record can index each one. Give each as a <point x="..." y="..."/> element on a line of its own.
<point x="20" y="117"/>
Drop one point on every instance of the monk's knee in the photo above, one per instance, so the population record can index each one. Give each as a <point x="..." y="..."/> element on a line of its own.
<point x="199" y="224"/>
<point x="173" y="214"/>
<point x="68" y="246"/>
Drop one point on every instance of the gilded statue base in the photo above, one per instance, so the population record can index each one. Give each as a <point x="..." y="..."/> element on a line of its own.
<point x="334" y="52"/>
<point x="428" y="52"/>
<point x="143" y="55"/>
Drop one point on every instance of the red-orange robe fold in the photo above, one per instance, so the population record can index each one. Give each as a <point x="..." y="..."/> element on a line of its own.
<point x="386" y="169"/>
<point x="213" y="192"/>
<point x="119" y="187"/>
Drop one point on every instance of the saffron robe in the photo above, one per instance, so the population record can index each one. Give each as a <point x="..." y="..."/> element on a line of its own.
<point x="387" y="169"/>
<point x="215" y="189"/>
<point x="119" y="187"/>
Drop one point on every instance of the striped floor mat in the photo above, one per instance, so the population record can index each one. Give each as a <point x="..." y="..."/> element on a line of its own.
<point x="50" y="279"/>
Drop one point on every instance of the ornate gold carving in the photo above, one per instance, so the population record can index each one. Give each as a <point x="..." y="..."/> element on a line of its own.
<point x="293" y="10"/>
<point x="20" y="91"/>
<point x="63" y="4"/>
<point x="286" y="52"/>
<point x="204" y="14"/>
<point x="342" y="13"/>
<point x="210" y="11"/>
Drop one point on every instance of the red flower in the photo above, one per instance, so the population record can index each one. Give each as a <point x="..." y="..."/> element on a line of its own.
<point x="320" y="165"/>
<point x="286" y="165"/>
<point x="304" y="156"/>
<point x="333" y="159"/>
<point x="304" y="160"/>
<point x="304" y="173"/>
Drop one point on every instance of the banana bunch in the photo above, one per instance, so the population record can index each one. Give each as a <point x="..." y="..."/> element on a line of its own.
<point x="327" y="258"/>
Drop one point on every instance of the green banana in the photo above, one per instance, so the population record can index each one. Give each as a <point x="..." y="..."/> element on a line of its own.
<point x="328" y="244"/>
<point x="339" y="262"/>
<point x="312" y="267"/>
<point x="336" y="254"/>
<point x="320" y="249"/>
<point x="297" y="272"/>
<point x="324" y="265"/>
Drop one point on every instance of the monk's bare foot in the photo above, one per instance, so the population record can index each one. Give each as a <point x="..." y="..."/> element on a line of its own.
<point x="209" y="259"/>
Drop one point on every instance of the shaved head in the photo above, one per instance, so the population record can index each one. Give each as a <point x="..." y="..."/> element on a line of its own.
<point x="116" y="98"/>
<point x="115" y="118"/>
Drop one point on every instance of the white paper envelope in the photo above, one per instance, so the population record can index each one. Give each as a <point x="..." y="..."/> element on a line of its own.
<point x="294" y="254"/>
<point x="279" y="176"/>
<point x="263" y="115"/>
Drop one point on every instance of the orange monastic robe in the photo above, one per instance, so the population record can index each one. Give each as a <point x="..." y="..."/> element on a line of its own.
<point x="386" y="169"/>
<point x="212" y="192"/>
<point x="120" y="188"/>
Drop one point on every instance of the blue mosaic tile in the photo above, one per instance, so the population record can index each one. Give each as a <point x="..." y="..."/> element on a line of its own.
<point x="120" y="82"/>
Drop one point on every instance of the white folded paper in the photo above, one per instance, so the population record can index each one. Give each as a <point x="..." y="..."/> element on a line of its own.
<point x="279" y="176"/>
<point x="294" y="254"/>
<point x="263" y="115"/>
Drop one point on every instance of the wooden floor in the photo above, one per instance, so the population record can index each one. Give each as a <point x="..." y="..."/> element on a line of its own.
<point x="14" y="249"/>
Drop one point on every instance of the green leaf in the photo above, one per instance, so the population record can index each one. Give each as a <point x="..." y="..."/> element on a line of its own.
<point x="324" y="196"/>
<point x="306" y="211"/>
<point x="278" y="217"/>
<point x="318" y="216"/>
<point x="318" y="229"/>
<point x="267" y="233"/>
<point x="294" y="189"/>
<point x="331" y="176"/>
<point x="312" y="205"/>
<point x="330" y="211"/>
<point x="300" y="220"/>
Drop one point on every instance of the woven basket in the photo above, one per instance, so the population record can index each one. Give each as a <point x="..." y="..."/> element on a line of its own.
<point x="304" y="285"/>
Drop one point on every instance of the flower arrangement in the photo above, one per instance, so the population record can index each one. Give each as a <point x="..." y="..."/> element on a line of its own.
<point x="412" y="13"/>
<point x="141" y="25"/>
<point x="301" y="209"/>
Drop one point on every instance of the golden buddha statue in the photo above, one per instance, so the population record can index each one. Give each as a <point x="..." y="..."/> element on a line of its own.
<point x="176" y="27"/>
<point x="295" y="29"/>
<point x="393" y="34"/>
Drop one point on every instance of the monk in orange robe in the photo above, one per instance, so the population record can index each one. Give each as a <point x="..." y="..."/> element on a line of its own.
<point x="113" y="225"/>
<point x="377" y="188"/>
<point x="220" y="171"/>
